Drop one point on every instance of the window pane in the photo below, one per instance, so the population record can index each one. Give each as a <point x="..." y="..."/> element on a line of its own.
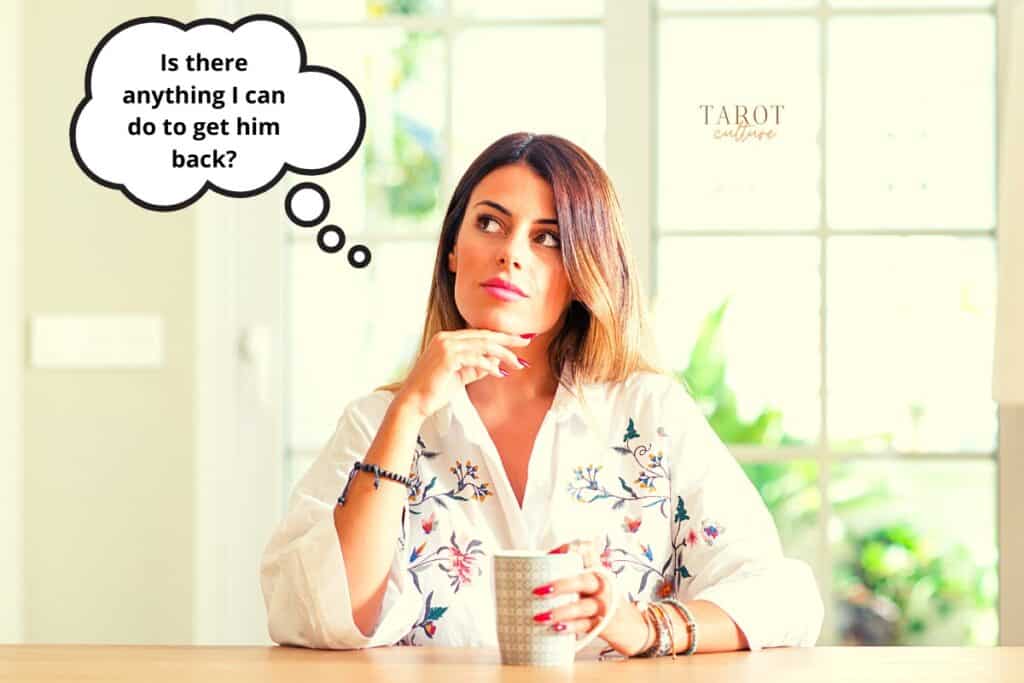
<point x="910" y="337"/>
<point x="530" y="9"/>
<point x="915" y="552"/>
<point x="721" y="65"/>
<point x="349" y="330"/>
<point x="740" y="317"/>
<point x="912" y="3"/>
<point x="505" y="81"/>
<point x="361" y="10"/>
<point x="670" y="5"/>
<point x="790" y="492"/>
<point x="392" y="184"/>
<point x="911" y="122"/>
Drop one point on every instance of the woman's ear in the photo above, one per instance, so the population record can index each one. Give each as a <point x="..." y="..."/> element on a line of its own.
<point x="451" y="260"/>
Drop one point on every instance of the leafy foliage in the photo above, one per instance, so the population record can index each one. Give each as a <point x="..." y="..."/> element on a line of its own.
<point x="893" y="586"/>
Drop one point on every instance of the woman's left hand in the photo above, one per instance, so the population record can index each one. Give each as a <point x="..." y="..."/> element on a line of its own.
<point x="625" y="632"/>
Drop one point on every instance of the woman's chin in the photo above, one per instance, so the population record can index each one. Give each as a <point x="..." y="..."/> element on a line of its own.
<point x="497" y="321"/>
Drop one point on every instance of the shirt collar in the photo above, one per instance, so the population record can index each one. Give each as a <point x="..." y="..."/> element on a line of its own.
<point x="564" y="406"/>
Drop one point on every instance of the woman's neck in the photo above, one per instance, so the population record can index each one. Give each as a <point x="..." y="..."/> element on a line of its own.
<point x="503" y="394"/>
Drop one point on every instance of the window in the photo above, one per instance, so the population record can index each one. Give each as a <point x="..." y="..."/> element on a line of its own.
<point x="440" y="82"/>
<point x="826" y="294"/>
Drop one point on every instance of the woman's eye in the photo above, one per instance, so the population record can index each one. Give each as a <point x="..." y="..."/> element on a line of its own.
<point x="482" y="222"/>
<point x="553" y="240"/>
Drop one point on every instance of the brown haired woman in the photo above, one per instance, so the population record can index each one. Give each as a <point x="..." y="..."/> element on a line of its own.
<point x="533" y="418"/>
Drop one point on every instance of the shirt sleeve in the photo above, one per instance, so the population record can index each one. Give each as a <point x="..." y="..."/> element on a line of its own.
<point x="302" y="571"/>
<point x="729" y="551"/>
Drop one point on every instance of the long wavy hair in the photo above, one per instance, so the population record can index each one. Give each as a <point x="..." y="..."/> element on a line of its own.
<point x="605" y="335"/>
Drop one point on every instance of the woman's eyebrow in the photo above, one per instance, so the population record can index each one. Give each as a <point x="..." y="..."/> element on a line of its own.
<point x="505" y="211"/>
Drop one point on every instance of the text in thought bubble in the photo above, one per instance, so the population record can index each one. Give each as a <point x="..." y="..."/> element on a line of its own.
<point x="172" y="110"/>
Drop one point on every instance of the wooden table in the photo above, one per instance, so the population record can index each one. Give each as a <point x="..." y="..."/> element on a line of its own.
<point x="155" y="664"/>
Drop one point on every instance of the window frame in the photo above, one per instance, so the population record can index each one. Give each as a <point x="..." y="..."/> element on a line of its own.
<point x="12" y="320"/>
<point x="631" y="104"/>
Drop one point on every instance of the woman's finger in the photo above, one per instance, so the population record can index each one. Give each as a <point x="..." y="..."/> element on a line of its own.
<point x="503" y="338"/>
<point x="508" y="357"/>
<point x="588" y="550"/>
<point x="577" y="609"/>
<point x="585" y="583"/>
<point x="484" y="364"/>
<point x="488" y="348"/>
<point x="585" y="625"/>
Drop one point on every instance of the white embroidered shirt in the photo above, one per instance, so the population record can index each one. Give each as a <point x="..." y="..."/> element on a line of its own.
<point x="634" y="465"/>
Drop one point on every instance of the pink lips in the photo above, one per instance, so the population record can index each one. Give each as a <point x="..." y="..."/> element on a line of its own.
<point x="503" y="294"/>
<point x="501" y="289"/>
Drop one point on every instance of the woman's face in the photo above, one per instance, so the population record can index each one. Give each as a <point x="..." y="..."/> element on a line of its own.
<point x="510" y="233"/>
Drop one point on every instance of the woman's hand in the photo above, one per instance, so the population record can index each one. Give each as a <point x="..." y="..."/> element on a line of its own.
<point x="455" y="358"/>
<point x="626" y="632"/>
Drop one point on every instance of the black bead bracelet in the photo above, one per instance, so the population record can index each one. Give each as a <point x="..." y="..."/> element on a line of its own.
<point x="378" y="472"/>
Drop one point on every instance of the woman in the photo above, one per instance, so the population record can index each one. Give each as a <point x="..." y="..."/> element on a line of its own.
<point x="532" y="419"/>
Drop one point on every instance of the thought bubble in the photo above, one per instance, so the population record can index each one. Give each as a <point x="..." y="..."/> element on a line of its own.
<point x="172" y="110"/>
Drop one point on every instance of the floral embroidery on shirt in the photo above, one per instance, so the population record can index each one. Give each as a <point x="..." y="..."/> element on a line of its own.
<point x="711" y="531"/>
<point x="427" y="623"/>
<point x="465" y="476"/>
<point x="654" y="468"/>
<point x="651" y="469"/>
<point x="462" y="567"/>
<point x="624" y="559"/>
<point x="673" y="571"/>
<point x="461" y="562"/>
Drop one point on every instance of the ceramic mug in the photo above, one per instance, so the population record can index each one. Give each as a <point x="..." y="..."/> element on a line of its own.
<point x="521" y="639"/>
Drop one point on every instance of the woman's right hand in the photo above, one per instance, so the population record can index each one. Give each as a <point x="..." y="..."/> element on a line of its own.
<point x="454" y="358"/>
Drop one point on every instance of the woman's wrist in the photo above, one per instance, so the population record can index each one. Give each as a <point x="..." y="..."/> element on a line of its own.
<point x="405" y="411"/>
<point x="645" y="632"/>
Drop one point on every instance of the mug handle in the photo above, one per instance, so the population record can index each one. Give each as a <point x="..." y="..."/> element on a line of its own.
<point x="609" y="581"/>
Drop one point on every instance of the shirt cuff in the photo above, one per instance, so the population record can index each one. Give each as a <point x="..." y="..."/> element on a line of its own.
<point x="776" y="606"/>
<point x="315" y="609"/>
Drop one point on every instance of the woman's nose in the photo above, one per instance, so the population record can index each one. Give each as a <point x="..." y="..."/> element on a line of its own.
<point x="513" y="251"/>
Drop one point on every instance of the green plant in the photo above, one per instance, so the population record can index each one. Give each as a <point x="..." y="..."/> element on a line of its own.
<point x="893" y="586"/>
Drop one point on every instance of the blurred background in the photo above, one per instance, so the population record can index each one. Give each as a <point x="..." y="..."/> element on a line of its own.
<point x="828" y="293"/>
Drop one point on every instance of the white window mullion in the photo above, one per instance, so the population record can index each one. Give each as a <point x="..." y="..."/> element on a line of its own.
<point x="1010" y="469"/>
<point x="824" y="557"/>
<point x="12" y="528"/>
<point x="630" y="116"/>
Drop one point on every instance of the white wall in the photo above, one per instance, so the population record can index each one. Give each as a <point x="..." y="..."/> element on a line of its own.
<point x="109" y="454"/>
<point x="11" y="550"/>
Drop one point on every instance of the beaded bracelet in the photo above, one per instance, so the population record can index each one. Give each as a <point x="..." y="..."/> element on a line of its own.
<point x="663" y="636"/>
<point x="653" y="632"/>
<point x="378" y="472"/>
<point x="666" y="620"/>
<point x="691" y="623"/>
<point x="652" y="629"/>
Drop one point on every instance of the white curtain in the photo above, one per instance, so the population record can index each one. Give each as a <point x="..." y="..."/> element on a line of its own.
<point x="1008" y="377"/>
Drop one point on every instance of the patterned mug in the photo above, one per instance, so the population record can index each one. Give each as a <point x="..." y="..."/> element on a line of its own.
<point x="521" y="639"/>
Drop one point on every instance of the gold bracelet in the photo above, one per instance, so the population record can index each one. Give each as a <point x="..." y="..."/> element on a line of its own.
<point x="651" y="617"/>
<point x="651" y="636"/>
<point x="667" y="622"/>
<point x="689" y="621"/>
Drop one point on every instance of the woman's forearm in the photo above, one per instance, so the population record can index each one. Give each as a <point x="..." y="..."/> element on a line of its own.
<point x="716" y="631"/>
<point x="368" y="523"/>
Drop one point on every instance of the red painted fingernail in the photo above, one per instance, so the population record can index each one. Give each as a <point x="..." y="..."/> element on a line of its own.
<point x="528" y="335"/>
<point x="543" y="616"/>
<point x="544" y="590"/>
<point x="558" y="627"/>
<point x="503" y="371"/>
<point x="522" y="362"/>
<point x="564" y="548"/>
